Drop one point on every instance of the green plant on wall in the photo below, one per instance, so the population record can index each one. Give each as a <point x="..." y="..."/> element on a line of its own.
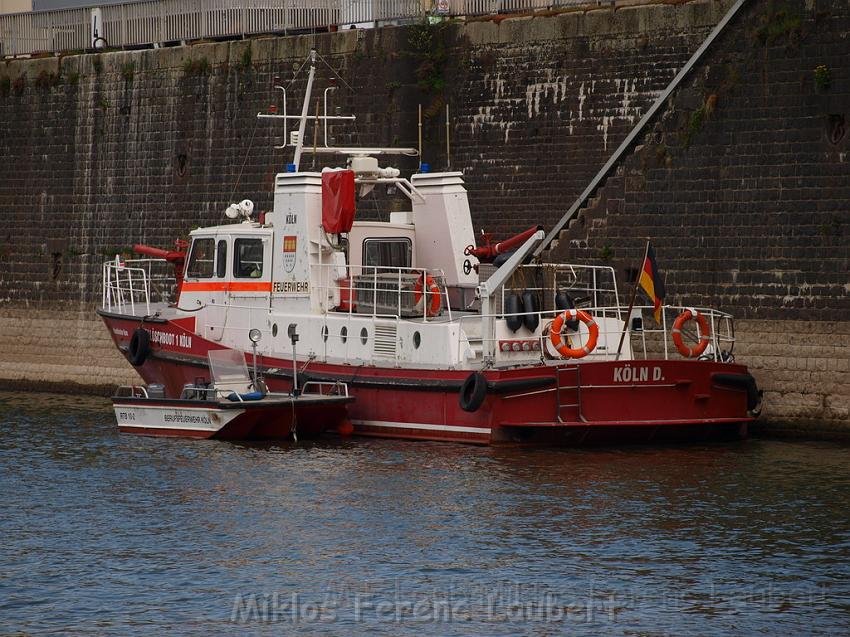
<point x="46" y="80"/>
<point x="198" y="66"/>
<point x="246" y="59"/>
<point x="831" y="228"/>
<point x="5" y="86"/>
<point x="823" y="78"/>
<point x="695" y="122"/>
<point x="698" y="117"/>
<point x="427" y="48"/>
<point x="97" y="63"/>
<point x="778" y="24"/>
<point x="128" y="70"/>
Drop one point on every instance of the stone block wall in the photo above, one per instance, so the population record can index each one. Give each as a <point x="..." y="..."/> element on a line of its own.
<point x="803" y="368"/>
<point x="98" y="152"/>
<point x="742" y="185"/>
<point x="742" y="182"/>
<point x="70" y="352"/>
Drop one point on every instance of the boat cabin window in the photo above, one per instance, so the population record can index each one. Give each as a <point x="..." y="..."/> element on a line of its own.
<point x="221" y="259"/>
<point x="387" y="253"/>
<point x="201" y="259"/>
<point x="248" y="258"/>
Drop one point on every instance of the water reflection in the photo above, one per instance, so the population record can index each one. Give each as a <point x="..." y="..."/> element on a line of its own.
<point x="117" y="534"/>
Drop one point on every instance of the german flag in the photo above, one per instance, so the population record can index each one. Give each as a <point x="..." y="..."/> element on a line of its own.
<point x="651" y="282"/>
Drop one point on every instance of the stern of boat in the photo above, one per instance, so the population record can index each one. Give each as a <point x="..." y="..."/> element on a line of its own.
<point x="631" y="401"/>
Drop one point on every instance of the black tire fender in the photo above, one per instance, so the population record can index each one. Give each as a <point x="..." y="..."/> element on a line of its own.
<point x="745" y="382"/>
<point x="473" y="392"/>
<point x="140" y="347"/>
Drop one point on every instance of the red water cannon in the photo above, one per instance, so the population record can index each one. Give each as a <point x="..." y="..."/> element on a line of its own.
<point x="490" y="251"/>
<point x="176" y="257"/>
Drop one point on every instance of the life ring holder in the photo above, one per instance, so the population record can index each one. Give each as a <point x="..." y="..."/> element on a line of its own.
<point x="427" y="286"/>
<point x="704" y="333"/>
<point x="558" y="324"/>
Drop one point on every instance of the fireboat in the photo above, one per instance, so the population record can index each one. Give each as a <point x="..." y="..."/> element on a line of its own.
<point x="435" y="336"/>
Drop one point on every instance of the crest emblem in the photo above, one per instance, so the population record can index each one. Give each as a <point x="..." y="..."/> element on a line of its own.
<point x="290" y="255"/>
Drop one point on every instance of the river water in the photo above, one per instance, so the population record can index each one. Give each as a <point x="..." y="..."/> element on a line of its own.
<point x="113" y="534"/>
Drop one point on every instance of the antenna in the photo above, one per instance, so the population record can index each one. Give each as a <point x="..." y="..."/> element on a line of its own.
<point x="448" y="144"/>
<point x="296" y="136"/>
<point x="420" y="136"/>
<point x="305" y="107"/>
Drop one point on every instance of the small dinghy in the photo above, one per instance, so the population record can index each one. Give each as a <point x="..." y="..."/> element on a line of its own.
<point x="232" y="406"/>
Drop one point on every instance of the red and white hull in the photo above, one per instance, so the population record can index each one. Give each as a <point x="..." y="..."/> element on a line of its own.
<point x="572" y="403"/>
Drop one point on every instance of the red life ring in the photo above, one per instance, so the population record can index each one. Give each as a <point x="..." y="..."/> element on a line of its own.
<point x="435" y="303"/>
<point x="558" y="325"/>
<point x="704" y="334"/>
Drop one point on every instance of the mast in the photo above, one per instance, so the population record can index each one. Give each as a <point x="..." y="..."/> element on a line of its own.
<point x="370" y="173"/>
<point x="304" y="108"/>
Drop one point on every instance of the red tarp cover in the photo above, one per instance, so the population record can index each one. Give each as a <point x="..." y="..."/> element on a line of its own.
<point x="337" y="201"/>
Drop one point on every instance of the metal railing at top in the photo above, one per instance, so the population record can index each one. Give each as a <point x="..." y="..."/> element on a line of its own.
<point x="130" y="286"/>
<point x="645" y="340"/>
<point x="154" y="22"/>
<point x="409" y="293"/>
<point x="595" y="285"/>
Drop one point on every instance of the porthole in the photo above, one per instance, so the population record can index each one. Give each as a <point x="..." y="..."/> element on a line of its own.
<point x="343" y="334"/>
<point x="274" y="329"/>
<point x="325" y="333"/>
<point x="417" y="340"/>
<point x="364" y="335"/>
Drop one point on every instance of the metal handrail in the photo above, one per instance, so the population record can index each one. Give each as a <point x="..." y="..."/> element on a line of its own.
<point x="131" y="391"/>
<point x="720" y="324"/>
<point x="336" y="388"/>
<point x="118" y="288"/>
<point x="329" y="282"/>
<point x="157" y="21"/>
<point x="626" y="144"/>
<point x="597" y="288"/>
<point x="128" y="283"/>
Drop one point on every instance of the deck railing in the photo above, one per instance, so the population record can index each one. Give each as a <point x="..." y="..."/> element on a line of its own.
<point x="155" y="22"/>
<point x="383" y="291"/>
<point x="130" y="286"/>
<point x="645" y="340"/>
